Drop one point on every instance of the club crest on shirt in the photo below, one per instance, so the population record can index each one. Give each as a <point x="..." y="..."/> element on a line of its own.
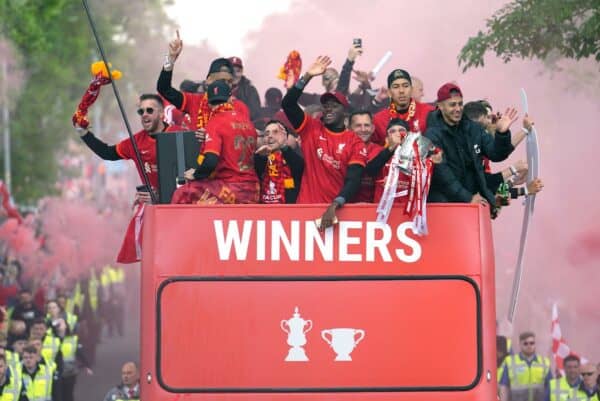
<point x="340" y="148"/>
<point x="476" y="149"/>
<point x="320" y="153"/>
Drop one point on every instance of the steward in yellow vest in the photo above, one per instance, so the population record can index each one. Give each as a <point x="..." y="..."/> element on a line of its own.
<point x="525" y="375"/>
<point x="38" y="376"/>
<point x="588" y="390"/>
<point x="11" y="387"/>
<point x="562" y="389"/>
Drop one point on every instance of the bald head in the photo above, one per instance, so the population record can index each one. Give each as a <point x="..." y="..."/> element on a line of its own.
<point x="417" y="91"/>
<point x="589" y="372"/>
<point x="129" y="374"/>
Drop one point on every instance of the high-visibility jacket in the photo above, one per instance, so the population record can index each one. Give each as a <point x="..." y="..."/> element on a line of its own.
<point x="561" y="390"/>
<point x="39" y="387"/>
<point x="68" y="348"/>
<point x="75" y="300"/>
<point x="526" y="381"/>
<point x="580" y="395"/>
<point x="50" y="347"/>
<point x="93" y="291"/>
<point x="12" y="359"/>
<point x="12" y="388"/>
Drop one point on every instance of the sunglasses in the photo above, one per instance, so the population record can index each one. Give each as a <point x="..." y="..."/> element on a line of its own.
<point x="529" y="343"/>
<point x="587" y="373"/>
<point x="148" y="110"/>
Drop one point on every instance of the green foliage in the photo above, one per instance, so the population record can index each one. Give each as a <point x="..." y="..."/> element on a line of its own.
<point x="535" y="29"/>
<point x="57" y="47"/>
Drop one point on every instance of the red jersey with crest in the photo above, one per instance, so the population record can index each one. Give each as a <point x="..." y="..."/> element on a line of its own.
<point x="327" y="155"/>
<point x="403" y="184"/>
<point x="192" y="103"/>
<point x="417" y="122"/>
<point x="232" y="137"/>
<point x="146" y="144"/>
<point x="367" y="184"/>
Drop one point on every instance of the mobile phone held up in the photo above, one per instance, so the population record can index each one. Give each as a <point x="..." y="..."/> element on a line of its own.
<point x="357" y="42"/>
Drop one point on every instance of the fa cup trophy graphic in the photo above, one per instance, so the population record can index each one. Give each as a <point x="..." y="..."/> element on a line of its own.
<point x="296" y="327"/>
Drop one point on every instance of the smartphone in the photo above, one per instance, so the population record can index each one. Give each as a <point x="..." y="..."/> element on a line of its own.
<point x="357" y="42"/>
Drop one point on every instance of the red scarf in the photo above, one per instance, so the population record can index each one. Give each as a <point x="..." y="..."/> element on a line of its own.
<point x="203" y="112"/>
<point x="274" y="179"/>
<point x="410" y="113"/>
<point x="204" y="117"/>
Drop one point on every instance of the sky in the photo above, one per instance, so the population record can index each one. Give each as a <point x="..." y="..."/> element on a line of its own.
<point x="242" y="17"/>
<point x="563" y="254"/>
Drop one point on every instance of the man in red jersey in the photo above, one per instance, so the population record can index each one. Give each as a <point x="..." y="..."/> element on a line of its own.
<point x="334" y="157"/>
<point x="151" y="112"/>
<point x="379" y="166"/>
<point x="195" y="104"/>
<point x="225" y="173"/>
<point x="361" y="123"/>
<point x="402" y="106"/>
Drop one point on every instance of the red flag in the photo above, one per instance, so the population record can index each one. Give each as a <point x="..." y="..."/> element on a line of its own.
<point x="560" y="348"/>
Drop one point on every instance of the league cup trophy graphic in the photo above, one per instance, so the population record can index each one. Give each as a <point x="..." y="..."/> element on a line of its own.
<point x="296" y="327"/>
<point x="343" y="341"/>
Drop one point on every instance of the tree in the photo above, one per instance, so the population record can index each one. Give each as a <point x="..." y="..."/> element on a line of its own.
<point x="536" y="29"/>
<point x="57" y="47"/>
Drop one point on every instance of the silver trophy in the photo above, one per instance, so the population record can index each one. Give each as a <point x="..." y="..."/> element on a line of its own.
<point x="407" y="151"/>
<point x="296" y="327"/>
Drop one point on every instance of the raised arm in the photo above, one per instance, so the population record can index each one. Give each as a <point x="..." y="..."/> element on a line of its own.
<point x="289" y="104"/>
<point x="498" y="147"/>
<point x="104" y="151"/>
<point x="164" y="84"/>
<point x="343" y="84"/>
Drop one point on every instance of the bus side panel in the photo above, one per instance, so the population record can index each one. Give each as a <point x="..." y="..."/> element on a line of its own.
<point x="170" y="253"/>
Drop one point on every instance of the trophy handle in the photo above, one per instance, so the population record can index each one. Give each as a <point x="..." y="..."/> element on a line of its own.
<point x="283" y="324"/>
<point x="362" y="335"/>
<point x="309" y="324"/>
<point x="324" y="336"/>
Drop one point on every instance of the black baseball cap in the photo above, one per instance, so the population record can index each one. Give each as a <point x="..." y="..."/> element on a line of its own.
<point x="398" y="121"/>
<point x="220" y="65"/>
<point x="218" y="92"/>
<point x="396" y="74"/>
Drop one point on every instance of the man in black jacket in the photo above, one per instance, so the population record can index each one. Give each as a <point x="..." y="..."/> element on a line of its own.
<point x="460" y="176"/>
<point x="243" y="88"/>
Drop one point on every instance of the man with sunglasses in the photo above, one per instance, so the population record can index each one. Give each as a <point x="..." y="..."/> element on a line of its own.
<point x="588" y="389"/>
<point x="562" y="388"/>
<point x="151" y="112"/>
<point x="525" y="375"/>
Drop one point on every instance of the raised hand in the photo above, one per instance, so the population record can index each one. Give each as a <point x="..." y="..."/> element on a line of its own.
<point x="354" y="52"/>
<point x="527" y="122"/>
<point x="175" y="47"/>
<point x="507" y="119"/>
<point x="319" y="66"/>
<point x="363" y="77"/>
<point x="535" y="186"/>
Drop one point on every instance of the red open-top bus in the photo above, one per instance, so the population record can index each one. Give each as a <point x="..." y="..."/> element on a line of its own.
<point x="254" y="303"/>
